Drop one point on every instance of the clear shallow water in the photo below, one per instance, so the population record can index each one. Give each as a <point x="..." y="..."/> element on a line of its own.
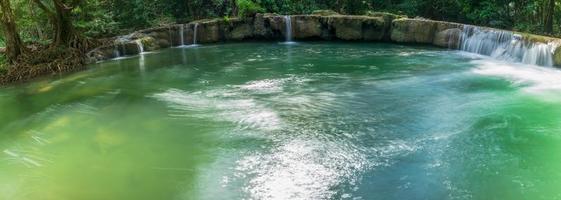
<point x="274" y="121"/>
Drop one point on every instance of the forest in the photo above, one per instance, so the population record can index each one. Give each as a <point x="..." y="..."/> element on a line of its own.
<point x="58" y="28"/>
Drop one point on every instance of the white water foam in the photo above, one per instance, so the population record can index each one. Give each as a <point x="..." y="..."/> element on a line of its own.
<point x="530" y="78"/>
<point x="221" y="105"/>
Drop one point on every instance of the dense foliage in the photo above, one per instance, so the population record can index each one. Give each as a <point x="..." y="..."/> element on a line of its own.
<point x="97" y="18"/>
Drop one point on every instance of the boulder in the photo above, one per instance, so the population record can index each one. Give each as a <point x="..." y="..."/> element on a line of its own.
<point x="413" y="30"/>
<point x="347" y="27"/>
<point x="306" y="26"/>
<point x="149" y="43"/>
<point x="210" y="31"/>
<point x="129" y="48"/>
<point x="239" y="29"/>
<point x="163" y="43"/>
<point x="357" y="27"/>
<point x="101" y="53"/>
<point x="449" y="38"/>
<point x="557" y="57"/>
<point x="375" y="28"/>
<point x="260" y="29"/>
<point x="277" y="25"/>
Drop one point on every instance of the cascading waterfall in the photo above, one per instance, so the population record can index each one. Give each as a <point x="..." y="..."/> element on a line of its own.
<point x="123" y="47"/>
<point x="288" y="24"/>
<point x="195" y="34"/>
<point x="140" y="46"/>
<point x="116" y="52"/>
<point x="505" y="45"/>
<point x="181" y="34"/>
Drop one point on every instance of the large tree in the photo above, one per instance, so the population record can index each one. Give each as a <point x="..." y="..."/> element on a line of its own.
<point x="14" y="44"/>
<point x="59" y="12"/>
<point x="548" y="16"/>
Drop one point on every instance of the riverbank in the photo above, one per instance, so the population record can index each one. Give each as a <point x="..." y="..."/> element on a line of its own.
<point x="376" y="27"/>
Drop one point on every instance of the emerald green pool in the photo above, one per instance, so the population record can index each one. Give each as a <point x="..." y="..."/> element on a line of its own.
<point x="276" y="121"/>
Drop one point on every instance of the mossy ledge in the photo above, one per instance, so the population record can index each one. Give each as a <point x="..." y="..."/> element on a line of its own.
<point x="321" y="25"/>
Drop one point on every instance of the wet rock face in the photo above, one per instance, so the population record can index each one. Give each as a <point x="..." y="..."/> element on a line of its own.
<point x="209" y="32"/>
<point x="319" y="26"/>
<point x="238" y="29"/>
<point x="413" y="31"/>
<point x="557" y="57"/>
<point x="449" y="38"/>
<point x="307" y="26"/>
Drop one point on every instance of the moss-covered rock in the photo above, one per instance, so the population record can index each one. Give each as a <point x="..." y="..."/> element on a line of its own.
<point x="210" y="31"/>
<point x="260" y="30"/>
<point x="375" y="28"/>
<point x="347" y="27"/>
<point x="149" y="43"/>
<point x="130" y="48"/>
<point x="449" y="38"/>
<point x="101" y="53"/>
<point x="413" y="30"/>
<point x="276" y="25"/>
<point x="557" y="57"/>
<point x="163" y="43"/>
<point x="306" y="26"/>
<point x="239" y="29"/>
<point x="324" y="12"/>
<point x="385" y="15"/>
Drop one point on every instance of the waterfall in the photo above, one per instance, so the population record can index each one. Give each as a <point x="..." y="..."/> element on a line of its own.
<point x="181" y="34"/>
<point x="505" y="45"/>
<point x="116" y="52"/>
<point x="124" y="48"/>
<point x="288" y="24"/>
<point x="140" y="46"/>
<point x="195" y="33"/>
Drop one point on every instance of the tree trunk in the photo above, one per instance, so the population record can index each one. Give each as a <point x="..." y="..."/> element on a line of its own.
<point x="64" y="33"/>
<point x="548" y="21"/>
<point x="61" y="19"/>
<point x="14" y="44"/>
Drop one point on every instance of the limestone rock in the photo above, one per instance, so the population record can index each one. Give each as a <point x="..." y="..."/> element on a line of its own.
<point x="306" y="26"/>
<point x="149" y="43"/>
<point x="239" y="29"/>
<point x="449" y="38"/>
<point x="375" y="28"/>
<point x="347" y="27"/>
<point x="358" y="27"/>
<point x="259" y="28"/>
<point x="209" y="31"/>
<point x="130" y="48"/>
<point x="413" y="31"/>
<point x="557" y="57"/>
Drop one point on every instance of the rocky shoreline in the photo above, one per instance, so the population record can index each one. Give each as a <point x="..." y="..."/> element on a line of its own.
<point x="377" y="27"/>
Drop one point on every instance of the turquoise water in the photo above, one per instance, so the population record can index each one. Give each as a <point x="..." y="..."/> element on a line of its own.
<point x="274" y="121"/>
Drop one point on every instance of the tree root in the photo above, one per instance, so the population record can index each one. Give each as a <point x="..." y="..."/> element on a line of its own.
<point x="41" y="62"/>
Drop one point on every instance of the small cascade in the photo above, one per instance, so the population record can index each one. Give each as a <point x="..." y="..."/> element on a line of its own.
<point x="140" y="46"/>
<point x="116" y="52"/>
<point x="288" y="28"/>
<point x="505" y="45"/>
<point x="181" y="34"/>
<point x="195" y="33"/>
<point x="170" y="36"/>
<point x="123" y="48"/>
